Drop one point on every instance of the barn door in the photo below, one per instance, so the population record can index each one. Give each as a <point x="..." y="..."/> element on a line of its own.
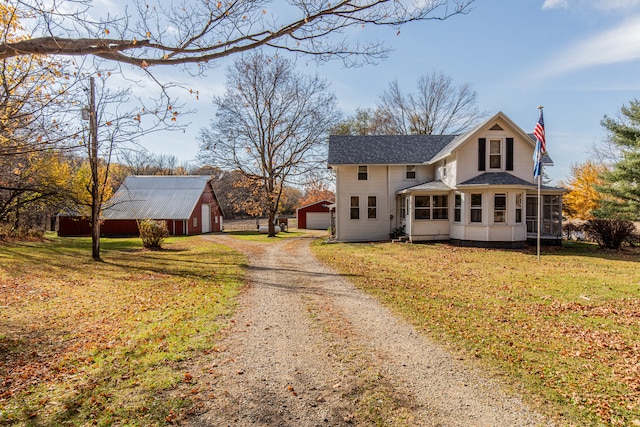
<point x="206" y="219"/>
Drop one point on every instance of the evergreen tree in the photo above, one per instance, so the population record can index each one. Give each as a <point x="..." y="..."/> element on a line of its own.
<point x="622" y="181"/>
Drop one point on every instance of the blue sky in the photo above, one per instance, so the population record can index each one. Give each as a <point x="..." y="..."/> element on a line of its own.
<point x="580" y="59"/>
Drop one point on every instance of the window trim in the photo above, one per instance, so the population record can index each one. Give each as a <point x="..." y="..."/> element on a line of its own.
<point x="372" y="208"/>
<point x="500" y="153"/>
<point x="425" y="210"/>
<point x="432" y="211"/>
<point x="499" y="212"/>
<point x="354" y="210"/>
<point x="414" y="172"/>
<point x="475" y="208"/>
<point x="457" y="207"/>
<point x="363" y="173"/>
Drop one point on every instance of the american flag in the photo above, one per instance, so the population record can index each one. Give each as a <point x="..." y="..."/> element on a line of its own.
<point x="541" y="146"/>
<point x="538" y="132"/>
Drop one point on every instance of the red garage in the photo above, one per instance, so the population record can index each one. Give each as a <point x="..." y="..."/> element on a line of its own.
<point x="314" y="216"/>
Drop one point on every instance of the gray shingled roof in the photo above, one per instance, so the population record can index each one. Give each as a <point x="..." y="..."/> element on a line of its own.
<point x="426" y="186"/>
<point x="156" y="197"/>
<point x="385" y="149"/>
<point x="496" y="178"/>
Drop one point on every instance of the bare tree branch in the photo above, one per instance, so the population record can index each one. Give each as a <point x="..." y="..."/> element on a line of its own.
<point x="201" y="31"/>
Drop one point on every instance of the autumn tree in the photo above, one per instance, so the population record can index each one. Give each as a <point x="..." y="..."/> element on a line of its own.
<point x="205" y="31"/>
<point x="290" y="200"/>
<point x="34" y="127"/>
<point x="621" y="182"/>
<point x="437" y="107"/>
<point x="316" y="191"/>
<point x="271" y="125"/>
<point x="583" y="198"/>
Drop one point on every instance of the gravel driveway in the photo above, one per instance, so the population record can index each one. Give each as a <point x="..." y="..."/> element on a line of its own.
<point x="309" y="349"/>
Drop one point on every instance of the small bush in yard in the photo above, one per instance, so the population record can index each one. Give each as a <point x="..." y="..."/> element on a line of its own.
<point x="153" y="233"/>
<point x="610" y="233"/>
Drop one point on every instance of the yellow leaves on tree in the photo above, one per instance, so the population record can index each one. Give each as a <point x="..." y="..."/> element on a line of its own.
<point x="583" y="197"/>
<point x="81" y="185"/>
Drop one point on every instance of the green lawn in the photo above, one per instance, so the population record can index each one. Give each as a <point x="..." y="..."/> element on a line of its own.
<point x="564" y="331"/>
<point x="104" y="343"/>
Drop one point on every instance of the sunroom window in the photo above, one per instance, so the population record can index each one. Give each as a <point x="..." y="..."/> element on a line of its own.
<point x="476" y="208"/>
<point x="499" y="207"/>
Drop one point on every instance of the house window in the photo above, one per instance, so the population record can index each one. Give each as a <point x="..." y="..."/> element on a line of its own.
<point x="195" y="221"/>
<point x="495" y="153"/>
<point x="362" y="173"/>
<point x="551" y="215"/>
<point x="444" y="169"/>
<point x="457" y="207"/>
<point x="440" y="207"/>
<point x="423" y="207"/>
<point x="371" y="207"/>
<point x="432" y="207"/>
<point x="476" y="208"/>
<point x="404" y="207"/>
<point x="499" y="207"/>
<point x="519" y="208"/>
<point x="410" y="172"/>
<point x="355" y="207"/>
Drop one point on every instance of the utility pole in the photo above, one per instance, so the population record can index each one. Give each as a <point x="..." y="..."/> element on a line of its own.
<point x="95" y="177"/>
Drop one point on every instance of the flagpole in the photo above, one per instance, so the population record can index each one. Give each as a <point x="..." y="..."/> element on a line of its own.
<point x="539" y="197"/>
<point x="539" y="212"/>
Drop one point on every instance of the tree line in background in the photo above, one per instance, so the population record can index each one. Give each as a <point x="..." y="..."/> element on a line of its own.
<point x="604" y="196"/>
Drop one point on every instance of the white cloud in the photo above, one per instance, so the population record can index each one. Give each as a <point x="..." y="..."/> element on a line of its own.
<point x="620" y="44"/>
<point x="616" y="4"/>
<point x="555" y="4"/>
<point x="602" y="5"/>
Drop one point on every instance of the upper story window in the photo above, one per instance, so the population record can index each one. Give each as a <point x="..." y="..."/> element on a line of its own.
<point x="495" y="153"/>
<point x="410" y="172"/>
<point x="444" y="169"/>
<point x="362" y="173"/>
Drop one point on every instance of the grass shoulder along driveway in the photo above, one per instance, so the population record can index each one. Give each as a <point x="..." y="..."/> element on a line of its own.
<point x="109" y="343"/>
<point x="564" y="331"/>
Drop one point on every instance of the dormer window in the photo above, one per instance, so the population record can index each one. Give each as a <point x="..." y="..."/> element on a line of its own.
<point x="362" y="173"/>
<point x="411" y="172"/>
<point x="495" y="153"/>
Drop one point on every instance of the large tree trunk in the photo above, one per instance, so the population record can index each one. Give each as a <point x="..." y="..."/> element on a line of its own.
<point x="272" y="225"/>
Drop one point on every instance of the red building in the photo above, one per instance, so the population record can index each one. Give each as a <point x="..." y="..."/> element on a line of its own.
<point x="314" y="216"/>
<point x="187" y="203"/>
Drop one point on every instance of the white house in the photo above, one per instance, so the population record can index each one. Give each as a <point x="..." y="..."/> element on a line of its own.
<point x="473" y="189"/>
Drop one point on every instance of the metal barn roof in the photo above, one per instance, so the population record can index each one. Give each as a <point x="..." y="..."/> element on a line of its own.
<point x="156" y="197"/>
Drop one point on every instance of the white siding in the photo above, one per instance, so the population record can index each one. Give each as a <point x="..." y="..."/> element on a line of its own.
<point x="348" y="185"/>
